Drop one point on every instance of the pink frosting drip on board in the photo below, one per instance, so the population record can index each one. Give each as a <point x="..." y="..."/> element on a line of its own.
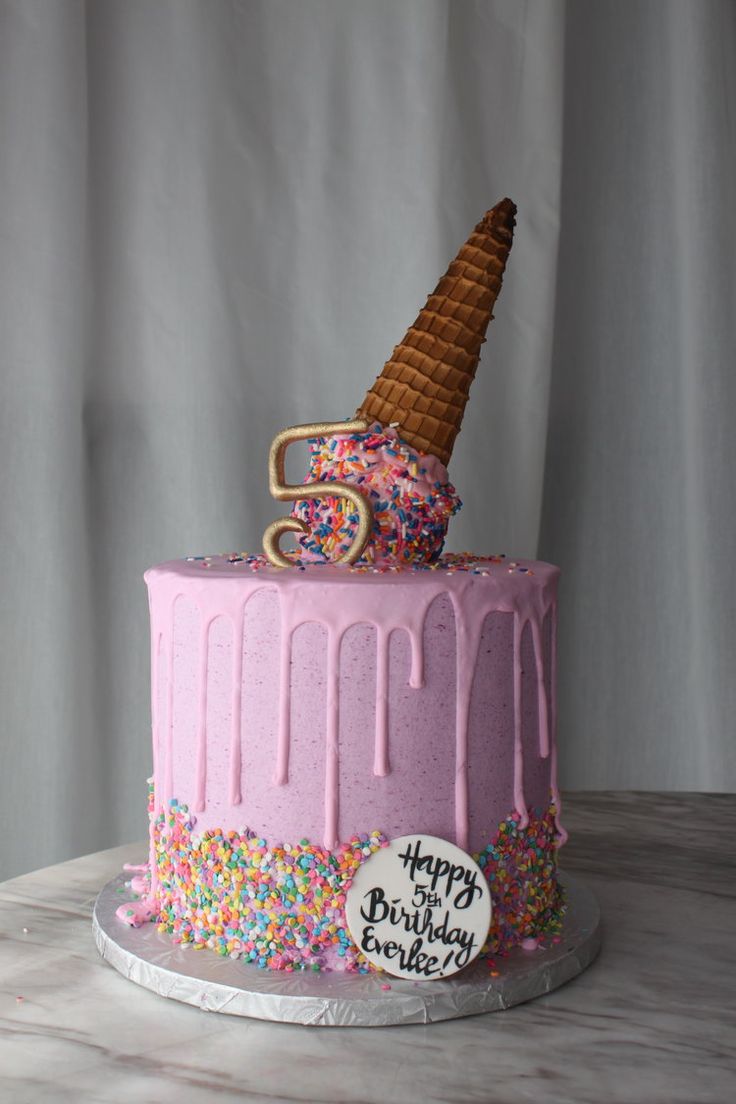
<point x="249" y="738"/>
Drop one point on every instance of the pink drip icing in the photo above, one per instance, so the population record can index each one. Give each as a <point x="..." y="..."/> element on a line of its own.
<point x="236" y="753"/>
<point x="541" y="690"/>
<point x="519" y="799"/>
<point x="281" y="776"/>
<point x="416" y="674"/>
<point x="553" y="784"/>
<point x="200" y="784"/>
<point x="467" y="639"/>
<point x="169" y="775"/>
<point x="156" y="643"/>
<point x="381" y="766"/>
<point x="332" y="750"/>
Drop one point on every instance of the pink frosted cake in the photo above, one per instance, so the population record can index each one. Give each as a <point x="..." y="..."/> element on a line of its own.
<point x="303" y="715"/>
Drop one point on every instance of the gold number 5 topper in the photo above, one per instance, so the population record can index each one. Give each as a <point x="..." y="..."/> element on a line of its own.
<point x="289" y="492"/>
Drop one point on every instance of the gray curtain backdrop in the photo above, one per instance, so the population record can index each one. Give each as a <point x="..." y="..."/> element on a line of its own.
<point x="217" y="218"/>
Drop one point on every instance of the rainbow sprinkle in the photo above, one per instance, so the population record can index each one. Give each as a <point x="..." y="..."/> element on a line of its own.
<point x="283" y="907"/>
<point x="412" y="507"/>
<point x="449" y="563"/>
<point x="521" y="868"/>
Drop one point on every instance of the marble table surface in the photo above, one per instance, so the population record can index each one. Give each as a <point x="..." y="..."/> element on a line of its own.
<point x="652" y="1020"/>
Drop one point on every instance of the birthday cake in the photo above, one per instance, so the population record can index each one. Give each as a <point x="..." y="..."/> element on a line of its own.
<point x="310" y="706"/>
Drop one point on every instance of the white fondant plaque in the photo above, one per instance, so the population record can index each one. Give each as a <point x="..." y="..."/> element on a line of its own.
<point x="420" y="908"/>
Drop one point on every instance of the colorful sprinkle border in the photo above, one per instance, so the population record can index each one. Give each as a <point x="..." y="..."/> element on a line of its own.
<point x="283" y="907"/>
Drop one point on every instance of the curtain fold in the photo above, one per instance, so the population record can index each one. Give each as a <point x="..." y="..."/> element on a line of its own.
<point x="639" y="503"/>
<point x="218" y="218"/>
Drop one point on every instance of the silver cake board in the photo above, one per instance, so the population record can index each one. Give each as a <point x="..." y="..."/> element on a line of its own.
<point x="330" y="999"/>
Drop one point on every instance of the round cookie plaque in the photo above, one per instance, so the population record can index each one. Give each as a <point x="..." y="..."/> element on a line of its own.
<point x="419" y="908"/>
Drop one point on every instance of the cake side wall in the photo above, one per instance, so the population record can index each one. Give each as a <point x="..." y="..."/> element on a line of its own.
<point x="195" y="754"/>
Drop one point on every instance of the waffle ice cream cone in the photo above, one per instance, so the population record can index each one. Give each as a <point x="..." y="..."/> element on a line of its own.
<point x="423" y="388"/>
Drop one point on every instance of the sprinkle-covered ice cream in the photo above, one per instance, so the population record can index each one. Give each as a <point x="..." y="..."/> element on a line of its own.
<point x="410" y="493"/>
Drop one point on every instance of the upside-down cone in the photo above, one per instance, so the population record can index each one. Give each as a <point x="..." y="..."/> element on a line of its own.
<point x="424" y="387"/>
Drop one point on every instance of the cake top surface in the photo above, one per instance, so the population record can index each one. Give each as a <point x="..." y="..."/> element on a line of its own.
<point x="451" y="570"/>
